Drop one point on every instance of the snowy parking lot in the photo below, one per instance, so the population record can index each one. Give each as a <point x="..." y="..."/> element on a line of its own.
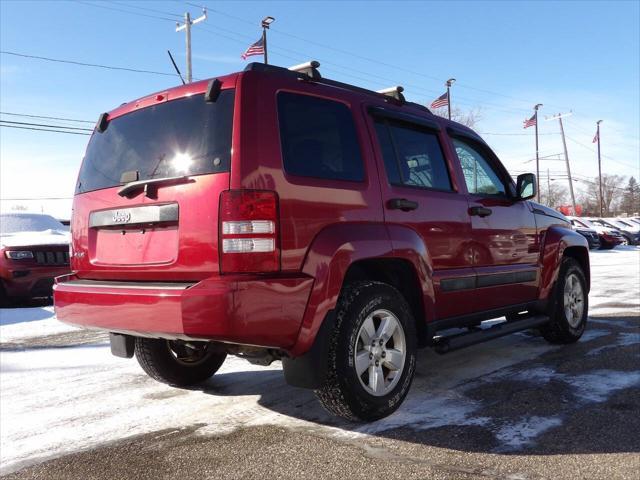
<point x="511" y="408"/>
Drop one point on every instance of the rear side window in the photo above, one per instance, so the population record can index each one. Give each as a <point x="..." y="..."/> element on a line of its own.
<point x="412" y="155"/>
<point x="318" y="138"/>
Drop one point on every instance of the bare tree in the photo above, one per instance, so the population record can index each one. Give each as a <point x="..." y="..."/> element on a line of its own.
<point x="469" y="118"/>
<point x="611" y="193"/>
<point x="553" y="196"/>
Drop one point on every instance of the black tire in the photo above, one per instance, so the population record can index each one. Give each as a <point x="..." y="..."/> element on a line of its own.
<point x="158" y="359"/>
<point x="606" y="246"/>
<point x="343" y="393"/>
<point x="560" y="330"/>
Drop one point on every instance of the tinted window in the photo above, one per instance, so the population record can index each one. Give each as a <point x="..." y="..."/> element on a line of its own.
<point x="187" y="136"/>
<point x="318" y="138"/>
<point x="412" y="156"/>
<point x="479" y="175"/>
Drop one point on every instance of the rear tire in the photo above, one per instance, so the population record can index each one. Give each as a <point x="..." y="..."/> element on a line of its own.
<point x="176" y="363"/>
<point x="372" y="353"/>
<point x="570" y="307"/>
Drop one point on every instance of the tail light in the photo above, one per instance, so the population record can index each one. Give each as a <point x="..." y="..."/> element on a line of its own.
<point x="249" y="231"/>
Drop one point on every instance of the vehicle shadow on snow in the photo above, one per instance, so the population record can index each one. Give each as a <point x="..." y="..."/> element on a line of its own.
<point x="514" y="395"/>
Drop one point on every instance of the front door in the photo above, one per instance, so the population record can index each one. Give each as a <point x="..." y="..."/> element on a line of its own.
<point x="418" y="193"/>
<point x="503" y="230"/>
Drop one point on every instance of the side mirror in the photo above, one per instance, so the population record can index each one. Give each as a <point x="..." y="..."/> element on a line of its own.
<point x="526" y="186"/>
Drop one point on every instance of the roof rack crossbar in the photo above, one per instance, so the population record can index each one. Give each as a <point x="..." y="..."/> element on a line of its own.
<point x="394" y="92"/>
<point x="308" y="68"/>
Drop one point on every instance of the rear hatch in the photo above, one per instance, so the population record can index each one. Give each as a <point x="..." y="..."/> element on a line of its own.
<point x="146" y="204"/>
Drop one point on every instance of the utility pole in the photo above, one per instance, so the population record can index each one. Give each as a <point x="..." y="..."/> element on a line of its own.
<point x="186" y="26"/>
<point x="266" y="21"/>
<point x="566" y="156"/>
<point x="448" y="84"/>
<point x="600" y="170"/>
<point x="549" y="188"/>
<point x="537" y="153"/>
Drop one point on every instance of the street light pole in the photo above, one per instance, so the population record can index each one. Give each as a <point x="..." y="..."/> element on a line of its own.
<point x="600" y="170"/>
<point x="266" y="21"/>
<point x="536" y="107"/>
<point x="448" y="84"/>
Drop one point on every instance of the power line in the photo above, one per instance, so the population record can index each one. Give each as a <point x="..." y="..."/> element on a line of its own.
<point x="147" y="9"/>
<point x="44" y="116"/>
<point x="44" y="129"/>
<point x="469" y="101"/>
<point x="48" y="126"/>
<point x="89" y="4"/>
<point x="362" y="57"/>
<point x="605" y="156"/>
<point x="96" y="65"/>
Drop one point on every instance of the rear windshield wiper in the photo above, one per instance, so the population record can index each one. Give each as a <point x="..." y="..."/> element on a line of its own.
<point x="144" y="185"/>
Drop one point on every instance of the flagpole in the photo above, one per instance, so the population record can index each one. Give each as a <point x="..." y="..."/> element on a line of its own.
<point x="600" y="170"/>
<point x="448" y="84"/>
<point x="537" y="155"/>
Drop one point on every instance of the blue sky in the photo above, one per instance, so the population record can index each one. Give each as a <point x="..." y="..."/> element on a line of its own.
<point x="506" y="56"/>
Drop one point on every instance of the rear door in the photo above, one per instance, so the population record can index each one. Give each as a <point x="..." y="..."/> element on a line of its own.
<point x="166" y="230"/>
<point x="419" y="191"/>
<point x="505" y="250"/>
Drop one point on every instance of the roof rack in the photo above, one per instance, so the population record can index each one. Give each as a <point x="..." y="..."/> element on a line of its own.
<point x="309" y="71"/>
<point x="394" y="92"/>
<point x="308" y="68"/>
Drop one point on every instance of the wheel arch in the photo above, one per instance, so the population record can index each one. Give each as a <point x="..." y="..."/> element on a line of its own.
<point x="560" y="242"/>
<point x="347" y="251"/>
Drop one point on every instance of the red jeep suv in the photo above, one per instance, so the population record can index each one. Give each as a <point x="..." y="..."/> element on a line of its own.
<point x="273" y="214"/>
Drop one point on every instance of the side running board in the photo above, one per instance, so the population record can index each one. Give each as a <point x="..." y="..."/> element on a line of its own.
<point x="455" y="342"/>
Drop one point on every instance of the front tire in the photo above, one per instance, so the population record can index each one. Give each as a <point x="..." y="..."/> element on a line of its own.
<point x="568" y="318"/>
<point x="178" y="363"/>
<point x="372" y="353"/>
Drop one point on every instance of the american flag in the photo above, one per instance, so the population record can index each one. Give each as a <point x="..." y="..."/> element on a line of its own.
<point x="596" y="138"/>
<point x="441" y="101"/>
<point x="254" y="49"/>
<point x="531" y="122"/>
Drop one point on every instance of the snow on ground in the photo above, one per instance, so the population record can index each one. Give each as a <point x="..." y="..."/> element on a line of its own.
<point x="29" y="322"/>
<point x="59" y="400"/>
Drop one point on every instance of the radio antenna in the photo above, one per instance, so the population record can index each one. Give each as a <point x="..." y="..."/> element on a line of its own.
<point x="175" y="66"/>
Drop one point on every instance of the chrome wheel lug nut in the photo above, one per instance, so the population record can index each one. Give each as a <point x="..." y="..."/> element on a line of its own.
<point x="381" y="342"/>
<point x="377" y="363"/>
<point x="384" y="354"/>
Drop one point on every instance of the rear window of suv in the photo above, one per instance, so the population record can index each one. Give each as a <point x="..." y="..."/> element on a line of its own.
<point x="187" y="136"/>
<point x="318" y="138"/>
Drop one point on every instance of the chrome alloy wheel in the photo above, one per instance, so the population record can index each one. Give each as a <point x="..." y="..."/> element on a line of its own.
<point x="573" y="300"/>
<point x="380" y="352"/>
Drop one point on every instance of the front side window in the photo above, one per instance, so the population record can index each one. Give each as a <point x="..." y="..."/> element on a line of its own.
<point x="412" y="155"/>
<point x="479" y="175"/>
<point x="318" y="138"/>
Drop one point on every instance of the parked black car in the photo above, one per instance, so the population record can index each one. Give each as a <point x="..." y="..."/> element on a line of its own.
<point x="591" y="236"/>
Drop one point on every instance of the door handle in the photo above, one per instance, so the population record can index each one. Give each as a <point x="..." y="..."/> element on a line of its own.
<point x="480" y="211"/>
<point x="401" y="204"/>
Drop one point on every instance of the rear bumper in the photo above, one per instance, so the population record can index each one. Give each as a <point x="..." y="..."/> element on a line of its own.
<point x="251" y="310"/>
